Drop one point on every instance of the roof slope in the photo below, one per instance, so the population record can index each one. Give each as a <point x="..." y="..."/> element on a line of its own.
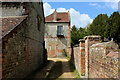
<point x="9" y="23"/>
<point x="58" y="17"/>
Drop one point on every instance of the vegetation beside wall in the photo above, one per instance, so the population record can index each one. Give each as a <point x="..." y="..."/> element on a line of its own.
<point x="73" y="69"/>
<point x="65" y="53"/>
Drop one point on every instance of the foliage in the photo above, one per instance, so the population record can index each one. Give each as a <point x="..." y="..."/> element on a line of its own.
<point x="113" y="27"/>
<point x="98" y="25"/>
<point x="65" y="53"/>
<point x="73" y="69"/>
<point x="77" y="34"/>
<point x="106" y="26"/>
<point x="102" y="25"/>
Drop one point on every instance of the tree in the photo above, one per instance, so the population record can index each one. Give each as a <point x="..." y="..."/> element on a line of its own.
<point x="74" y="35"/>
<point x="106" y="27"/>
<point x="113" y="27"/>
<point x="98" y="26"/>
<point x="77" y="34"/>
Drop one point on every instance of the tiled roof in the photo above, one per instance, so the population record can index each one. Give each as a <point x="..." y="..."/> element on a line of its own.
<point x="58" y="17"/>
<point x="9" y="23"/>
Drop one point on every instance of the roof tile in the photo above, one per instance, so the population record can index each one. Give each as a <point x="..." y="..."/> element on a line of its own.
<point x="58" y="17"/>
<point x="10" y="23"/>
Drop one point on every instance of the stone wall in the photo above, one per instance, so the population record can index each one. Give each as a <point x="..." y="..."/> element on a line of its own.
<point x="96" y="60"/>
<point x="22" y="48"/>
<point x="11" y="10"/>
<point x="103" y="60"/>
<point x="79" y="58"/>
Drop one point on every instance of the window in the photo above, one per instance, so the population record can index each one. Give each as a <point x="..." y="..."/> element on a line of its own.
<point x="58" y="19"/>
<point x="59" y="30"/>
<point x="39" y="22"/>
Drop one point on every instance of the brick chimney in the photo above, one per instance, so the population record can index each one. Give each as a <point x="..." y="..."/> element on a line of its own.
<point x="55" y="15"/>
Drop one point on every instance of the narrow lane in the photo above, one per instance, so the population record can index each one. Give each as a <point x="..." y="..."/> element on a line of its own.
<point x="65" y="73"/>
<point x="56" y="68"/>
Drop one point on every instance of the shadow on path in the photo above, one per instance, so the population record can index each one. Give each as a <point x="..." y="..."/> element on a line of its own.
<point x="61" y="69"/>
<point x="42" y="72"/>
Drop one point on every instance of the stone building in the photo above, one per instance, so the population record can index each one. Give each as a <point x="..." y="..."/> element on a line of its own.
<point x="57" y="33"/>
<point x="22" y="38"/>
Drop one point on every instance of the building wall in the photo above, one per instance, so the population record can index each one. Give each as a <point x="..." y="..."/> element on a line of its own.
<point x="23" y="47"/>
<point x="55" y="44"/>
<point x="14" y="50"/>
<point x="11" y="10"/>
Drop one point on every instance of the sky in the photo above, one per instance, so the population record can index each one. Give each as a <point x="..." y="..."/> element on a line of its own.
<point x="81" y="13"/>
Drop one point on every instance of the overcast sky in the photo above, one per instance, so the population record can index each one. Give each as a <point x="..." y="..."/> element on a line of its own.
<point x="81" y="13"/>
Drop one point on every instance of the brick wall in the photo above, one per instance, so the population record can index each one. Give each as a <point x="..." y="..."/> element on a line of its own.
<point x="14" y="50"/>
<point x="79" y="58"/>
<point x="96" y="60"/>
<point x="103" y="60"/>
<point x="22" y="48"/>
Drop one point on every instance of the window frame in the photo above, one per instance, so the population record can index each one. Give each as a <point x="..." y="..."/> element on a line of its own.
<point x="59" y="30"/>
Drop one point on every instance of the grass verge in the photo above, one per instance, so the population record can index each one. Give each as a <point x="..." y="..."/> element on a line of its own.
<point x="72" y="68"/>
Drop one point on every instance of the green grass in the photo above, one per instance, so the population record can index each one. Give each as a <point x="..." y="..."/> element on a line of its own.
<point x="56" y="70"/>
<point x="66" y="54"/>
<point x="72" y="68"/>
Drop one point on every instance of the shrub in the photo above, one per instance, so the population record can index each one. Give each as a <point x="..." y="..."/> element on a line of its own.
<point x="65" y="53"/>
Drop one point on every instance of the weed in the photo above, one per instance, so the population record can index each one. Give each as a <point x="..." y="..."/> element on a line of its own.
<point x="65" y="53"/>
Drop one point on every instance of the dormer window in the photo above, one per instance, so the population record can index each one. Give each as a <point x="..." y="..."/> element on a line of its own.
<point x="58" y="19"/>
<point x="59" y="30"/>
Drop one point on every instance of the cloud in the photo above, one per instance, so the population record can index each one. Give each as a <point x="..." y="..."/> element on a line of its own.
<point x="119" y="7"/>
<point x="61" y="10"/>
<point x="80" y="20"/>
<point x="97" y="5"/>
<point x="93" y="4"/>
<point x="111" y="0"/>
<point x="112" y="4"/>
<point x="77" y="19"/>
<point x="48" y="9"/>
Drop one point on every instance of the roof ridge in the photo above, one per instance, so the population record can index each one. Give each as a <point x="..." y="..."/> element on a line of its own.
<point x="64" y="17"/>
